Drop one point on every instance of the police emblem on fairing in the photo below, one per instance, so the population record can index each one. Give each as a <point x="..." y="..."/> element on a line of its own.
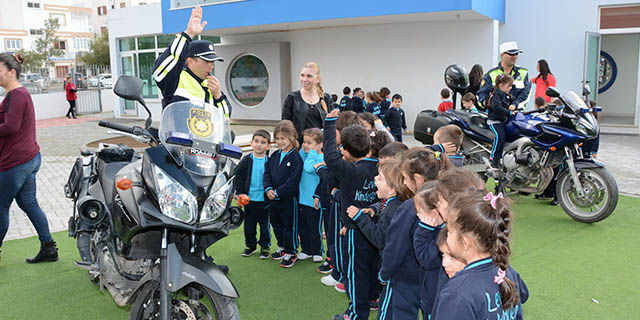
<point x="199" y="122"/>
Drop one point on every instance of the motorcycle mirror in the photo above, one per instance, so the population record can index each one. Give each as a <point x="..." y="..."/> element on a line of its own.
<point x="586" y="90"/>
<point x="130" y="88"/>
<point x="552" y="92"/>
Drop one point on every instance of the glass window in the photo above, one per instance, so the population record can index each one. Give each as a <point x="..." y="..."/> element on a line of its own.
<point x="249" y="80"/>
<point x="188" y="3"/>
<point x="214" y="39"/>
<point x="127" y="44"/>
<point x="146" y="61"/>
<point x="146" y="43"/>
<point x="164" y="40"/>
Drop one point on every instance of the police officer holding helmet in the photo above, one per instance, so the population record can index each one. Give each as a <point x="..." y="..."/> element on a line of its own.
<point x="521" y="85"/>
<point x="183" y="71"/>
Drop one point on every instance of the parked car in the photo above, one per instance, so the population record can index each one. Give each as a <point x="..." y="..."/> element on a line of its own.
<point x="104" y="79"/>
<point x="34" y="81"/>
<point x="80" y="81"/>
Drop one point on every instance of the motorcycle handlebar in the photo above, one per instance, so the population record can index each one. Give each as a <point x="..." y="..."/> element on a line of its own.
<point x="115" y="126"/>
<point x="534" y="111"/>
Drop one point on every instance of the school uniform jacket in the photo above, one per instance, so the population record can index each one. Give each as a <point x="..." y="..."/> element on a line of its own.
<point x="399" y="261"/>
<point x="472" y="294"/>
<point x="283" y="177"/>
<point x="428" y="256"/>
<point x="244" y="171"/>
<point x="357" y="186"/>
<point x="499" y="106"/>
<point x="394" y="119"/>
<point x="375" y="229"/>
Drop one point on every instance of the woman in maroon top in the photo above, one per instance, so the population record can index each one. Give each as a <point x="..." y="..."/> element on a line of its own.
<point x="20" y="157"/>
<point x="71" y="97"/>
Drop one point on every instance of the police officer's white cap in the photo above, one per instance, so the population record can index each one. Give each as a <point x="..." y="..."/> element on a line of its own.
<point x="509" y="48"/>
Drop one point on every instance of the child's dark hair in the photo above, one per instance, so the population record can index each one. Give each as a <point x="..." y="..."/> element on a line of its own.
<point x="393" y="176"/>
<point x="491" y="227"/>
<point x="286" y="128"/>
<point x="355" y="140"/>
<point x="384" y="92"/>
<point x="313" y="133"/>
<point x="346" y="91"/>
<point x="346" y="118"/>
<point x="356" y="90"/>
<point x="396" y="96"/>
<point x="379" y="139"/>
<point x="334" y="97"/>
<point x="500" y="79"/>
<point x="450" y="133"/>
<point x="12" y="61"/>
<point x="423" y="161"/>
<point x="367" y="117"/>
<point x="262" y="133"/>
<point x="540" y="102"/>
<point x="469" y="96"/>
<point x="455" y="181"/>
<point x="393" y="150"/>
<point x="442" y="237"/>
<point x="424" y="194"/>
<point x="445" y="93"/>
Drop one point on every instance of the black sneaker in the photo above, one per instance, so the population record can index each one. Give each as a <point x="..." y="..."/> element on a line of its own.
<point x="288" y="260"/>
<point x="373" y="305"/>
<point x="264" y="254"/>
<point x="277" y="255"/>
<point x="249" y="251"/>
<point x="554" y="202"/>
<point x="325" y="267"/>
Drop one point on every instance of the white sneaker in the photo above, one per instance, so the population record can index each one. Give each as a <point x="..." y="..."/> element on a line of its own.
<point x="329" y="281"/>
<point x="317" y="258"/>
<point x="303" y="256"/>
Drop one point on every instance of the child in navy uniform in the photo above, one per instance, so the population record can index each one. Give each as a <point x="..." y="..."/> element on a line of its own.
<point x="431" y="222"/>
<point x="450" y="135"/>
<point x="385" y="102"/>
<point x="357" y="102"/>
<point x="310" y="216"/>
<point x="334" y="240"/>
<point x="282" y="182"/>
<point x="249" y="181"/>
<point x="394" y="118"/>
<point x="479" y="228"/>
<point x="373" y="103"/>
<point x="356" y="174"/>
<point x="400" y="268"/>
<point x="500" y="109"/>
<point x="345" y="102"/>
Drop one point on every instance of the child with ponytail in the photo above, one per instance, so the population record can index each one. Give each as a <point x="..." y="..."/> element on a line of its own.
<point x="501" y="107"/>
<point x="400" y="269"/>
<point x="479" y="228"/>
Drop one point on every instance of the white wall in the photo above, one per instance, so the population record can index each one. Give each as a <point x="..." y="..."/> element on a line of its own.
<point x="408" y="58"/>
<point x="620" y="99"/>
<point x="55" y="105"/>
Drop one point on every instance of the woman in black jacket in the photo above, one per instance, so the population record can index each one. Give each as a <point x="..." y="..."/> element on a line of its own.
<point x="307" y="107"/>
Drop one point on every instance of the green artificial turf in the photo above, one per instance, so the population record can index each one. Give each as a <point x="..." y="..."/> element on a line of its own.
<point x="565" y="264"/>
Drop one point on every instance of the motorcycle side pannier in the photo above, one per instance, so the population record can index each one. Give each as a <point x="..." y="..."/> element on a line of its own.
<point x="427" y="122"/>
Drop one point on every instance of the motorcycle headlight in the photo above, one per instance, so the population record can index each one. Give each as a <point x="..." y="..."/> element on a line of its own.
<point x="584" y="127"/>
<point x="215" y="205"/>
<point x="175" y="201"/>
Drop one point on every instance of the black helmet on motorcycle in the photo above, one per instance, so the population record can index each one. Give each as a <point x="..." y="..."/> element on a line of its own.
<point x="456" y="78"/>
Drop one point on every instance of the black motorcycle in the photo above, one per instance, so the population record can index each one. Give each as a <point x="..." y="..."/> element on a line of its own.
<point x="144" y="222"/>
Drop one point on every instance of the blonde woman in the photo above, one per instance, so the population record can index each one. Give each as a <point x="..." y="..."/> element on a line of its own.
<point x="307" y="107"/>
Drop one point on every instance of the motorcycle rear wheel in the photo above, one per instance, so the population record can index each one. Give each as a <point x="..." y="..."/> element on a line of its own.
<point x="209" y="306"/>
<point x="600" y="195"/>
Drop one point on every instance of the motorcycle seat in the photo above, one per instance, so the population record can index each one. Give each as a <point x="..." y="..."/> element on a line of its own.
<point x="477" y="122"/>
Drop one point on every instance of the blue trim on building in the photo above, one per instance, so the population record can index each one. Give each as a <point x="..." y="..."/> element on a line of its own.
<point x="265" y="12"/>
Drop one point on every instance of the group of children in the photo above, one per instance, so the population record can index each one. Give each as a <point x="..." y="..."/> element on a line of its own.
<point x="406" y="230"/>
<point x="379" y="103"/>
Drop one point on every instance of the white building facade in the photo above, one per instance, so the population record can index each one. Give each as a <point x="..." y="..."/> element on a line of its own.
<point x="369" y="44"/>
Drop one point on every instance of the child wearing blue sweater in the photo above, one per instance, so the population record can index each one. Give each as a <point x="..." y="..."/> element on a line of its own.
<point x="249" y="181"/>
<point x="479" y="228"/>
<point x="282" y="183"/>
<point x="310" y="216"/>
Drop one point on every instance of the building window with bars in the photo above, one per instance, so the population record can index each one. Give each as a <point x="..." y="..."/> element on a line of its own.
<point x="34" y="5"/>
<point x="13" y="44"/>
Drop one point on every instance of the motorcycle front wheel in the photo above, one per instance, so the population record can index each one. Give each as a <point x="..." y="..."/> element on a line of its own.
<point x="192" y="302"/>
<point x="599" y="199"/>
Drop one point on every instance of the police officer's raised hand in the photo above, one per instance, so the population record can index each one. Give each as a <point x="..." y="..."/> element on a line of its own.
<point x="214" y="85"/>
<point x="196" y="25"/>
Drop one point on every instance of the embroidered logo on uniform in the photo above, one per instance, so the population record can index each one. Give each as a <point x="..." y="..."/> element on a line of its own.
<point x="199" y="122"/>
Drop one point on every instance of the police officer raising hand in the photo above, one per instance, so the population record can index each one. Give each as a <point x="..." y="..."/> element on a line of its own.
<point x="183" y="71"/>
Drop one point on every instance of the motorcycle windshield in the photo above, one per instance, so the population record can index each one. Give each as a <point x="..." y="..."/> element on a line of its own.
<point x="580" y="109"/>
<point x="205" y="125"/>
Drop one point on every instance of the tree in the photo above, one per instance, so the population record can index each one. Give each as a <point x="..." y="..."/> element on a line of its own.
<point x="45" y="45"/>
<point x="32" y="60"/>
<point x="98" y="51"/>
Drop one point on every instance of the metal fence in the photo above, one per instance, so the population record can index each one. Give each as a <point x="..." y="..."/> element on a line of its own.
<point x="89" y="100"/>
